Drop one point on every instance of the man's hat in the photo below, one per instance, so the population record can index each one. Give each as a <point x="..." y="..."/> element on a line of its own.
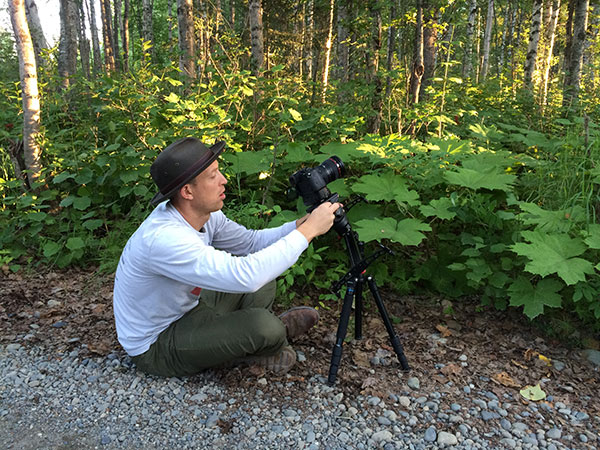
<point x="179" y="163"/>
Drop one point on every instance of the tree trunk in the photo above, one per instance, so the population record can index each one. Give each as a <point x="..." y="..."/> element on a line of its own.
<point x="256" y="35"/>
<point x="548" y="49"/>
<point x="429" y="45"/>
<point x="487" y="38"/>
<point x="374" y="120"/>
<point x="84" y="43"/>
<point x="568" y="38"/>
<point x="147" y="27"/>
<point x="390" y="51"/>
<point x="29" y="86"/>
<point x="109" y="57"/>
<point x="594" y="28"/>
<point x="95" y="41"/>
<point x="534" y="38"/>
<point x="573" y="77"/>
<point x="470" y="40"/>
<point x="418" y="65"/>
<point x="309" y="44"/>
<point x="36" y="31"/>
<point x="328" y="44"/>
<point x="67" y="48"/>
<point x="185" y="21"/>
<point x="343" y="51"/>
<point x="117" y="27"/>
<point x="125" y="35"/>
<point x="170" y="20"/>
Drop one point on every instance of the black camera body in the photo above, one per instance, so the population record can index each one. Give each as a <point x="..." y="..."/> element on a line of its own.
<point x="311" y="185"/>
<point x="311" y="182"/>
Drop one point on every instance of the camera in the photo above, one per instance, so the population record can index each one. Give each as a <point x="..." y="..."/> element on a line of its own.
<point x="311" y="183"/>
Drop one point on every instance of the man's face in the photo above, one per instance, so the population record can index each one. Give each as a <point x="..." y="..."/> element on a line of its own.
<point x="208" y="189"/>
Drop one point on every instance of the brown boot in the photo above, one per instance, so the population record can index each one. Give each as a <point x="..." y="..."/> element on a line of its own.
<point x="299" y="320"/>
<point x="280" y="363"/>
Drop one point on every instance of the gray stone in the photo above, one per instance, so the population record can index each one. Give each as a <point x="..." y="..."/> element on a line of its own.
<point x="508" y="442"/>
<point x="413" y="383"/>
<point x="431" y="434"/>
<point x="444" y="438"/>
<point x="553" y="433"/>
<point x="592" y="356"/>
<point x="382" y="436"/>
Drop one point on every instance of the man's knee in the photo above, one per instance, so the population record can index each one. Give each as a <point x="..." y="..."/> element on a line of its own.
<point x="265" y="326"/>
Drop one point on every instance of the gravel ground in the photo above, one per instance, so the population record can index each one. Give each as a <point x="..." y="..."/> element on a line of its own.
<point x="50" y="399"/>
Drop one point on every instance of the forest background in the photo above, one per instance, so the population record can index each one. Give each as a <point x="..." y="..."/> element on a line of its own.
<point x="469" y="129"/>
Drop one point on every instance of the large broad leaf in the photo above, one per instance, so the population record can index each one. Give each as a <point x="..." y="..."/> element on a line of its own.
<point x="535" y="298"/>
<point x="438" y="208"/>
<point x="405" y="232"/>
<point x="491" y="178"/>
<point x="250" y="162"/>
<point x="345" y="151"/>
<point x="593" y="236"/>
<point x="544" y="220"/>
<point x="297" y="152"/>
<point x="554" y="253"/>
<point x="387" y="186"/>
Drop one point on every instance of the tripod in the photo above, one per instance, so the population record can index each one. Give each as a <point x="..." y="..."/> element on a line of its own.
<point x="354" y="281"/>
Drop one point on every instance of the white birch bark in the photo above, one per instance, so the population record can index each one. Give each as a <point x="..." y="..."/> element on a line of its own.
<point x="36" y="31"/>
<point x="487" y="38"/>
<point x="97" y="54"/>
<point x="185" y="21"/>
<point x="256" y="35"/>
<point x="470" y="40"/>
<point x="29" y="86"/>
<point x="549" y="37"/>
<point x="534" y="39"/>
<point x="328" y="44"/>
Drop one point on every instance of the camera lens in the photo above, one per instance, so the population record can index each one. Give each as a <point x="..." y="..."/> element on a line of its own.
<point x="333" y="168"/>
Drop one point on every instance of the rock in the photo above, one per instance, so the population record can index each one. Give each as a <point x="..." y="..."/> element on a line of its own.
<point x="558" y="365"/>
<point x="382" y="436"/>
<point x="431" y="434"/>
<point x="13" y="347"/>
<point x="404" y="401"/>
<point x="53" y="303"/>
<point x="592" y="356"/>
<point x="553" y="433"/>
<point x="59" y="324"/>
<point x="444" y="438"/>
<point x="413" y="383"/>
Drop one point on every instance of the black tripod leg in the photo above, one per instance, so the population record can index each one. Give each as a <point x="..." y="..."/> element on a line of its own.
<point x="341" y="331"/>
<point x="395" y="340"/>
<point x="358" y="309"/>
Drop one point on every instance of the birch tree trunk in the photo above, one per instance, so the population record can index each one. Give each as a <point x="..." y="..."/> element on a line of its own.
<point x="117" y="27"/>
<point x="374" y="120"/>
<point x="29" y="86"/>
<point x="328" y="44"/>
<point x="125" y="35"/>
<point x="185" y="21"/>
<point x="147" y="26"/>
<point x="67" y="48"/>
<point x="548" y="50"/>
<point x="429" y="45"/>
<point x="343" y="51"/>
<point x="390" y="51"/>
<point x="418" y="66"/>
<point x="470" y="40"/>
<point x="588" y="55"/>
<point x="487" y="38"/>
<point x="97" y="66"/>
<point x="534" y="39"/>
<point x="36" y="31"/>
<point x="256" y="35"/>
<point x="573" y="76"/>
<point x="309" y="44"/>
<point x="109" y="57"/>
<point x="84" y="43"/>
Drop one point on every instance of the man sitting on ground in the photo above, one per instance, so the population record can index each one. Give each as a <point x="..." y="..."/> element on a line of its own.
<point x="194" y="289"/>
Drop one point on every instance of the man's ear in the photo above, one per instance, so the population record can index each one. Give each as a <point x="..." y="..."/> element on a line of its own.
<point x="185" y="192"/>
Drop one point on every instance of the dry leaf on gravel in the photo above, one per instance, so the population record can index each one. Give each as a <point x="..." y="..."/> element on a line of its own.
<point x="368" y="382"/>
<point x="361" y="358"/>
<point x="505" y="380"/>
<point x="451" y="369"/>
<point x="445" y="331"/>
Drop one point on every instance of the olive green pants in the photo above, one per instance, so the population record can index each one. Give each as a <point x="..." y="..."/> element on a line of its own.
<point x="222" y="328"/>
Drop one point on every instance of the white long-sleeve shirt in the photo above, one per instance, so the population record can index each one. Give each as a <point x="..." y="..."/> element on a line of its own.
<point x="166" y="260"/>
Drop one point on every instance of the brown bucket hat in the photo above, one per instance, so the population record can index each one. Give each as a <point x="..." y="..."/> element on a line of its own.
<point x="179" y="163"/>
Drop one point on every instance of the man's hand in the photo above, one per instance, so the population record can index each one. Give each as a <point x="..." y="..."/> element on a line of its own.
<point x="319" y="221"/>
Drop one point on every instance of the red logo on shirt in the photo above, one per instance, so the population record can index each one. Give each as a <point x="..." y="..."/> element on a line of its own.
<point x="196" y="291"/>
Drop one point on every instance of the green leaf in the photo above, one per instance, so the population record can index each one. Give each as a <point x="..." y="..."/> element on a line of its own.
<point x="81" y="203"/>
<point x="295" y="114"/>
<point x="544" y="220"/>
<point x="439" y="208"/>
<point x="405" y="232"/>
<point x="51" y="248"/>
<point x="534" y="298"/>
<point x="62" y="177"/>
<point x="250" y="162"/>
<point x="593" y="236"/>
<point x="172" y="98"/>
<point x="92" y="224"/>
<point x="248" y="92"/>
<point x="554" y="253"/>
<point x="488" y="179"/>
<point x="129" y="176"/>
<point x="75" y="243"/>
<point x="387" y="186"/>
